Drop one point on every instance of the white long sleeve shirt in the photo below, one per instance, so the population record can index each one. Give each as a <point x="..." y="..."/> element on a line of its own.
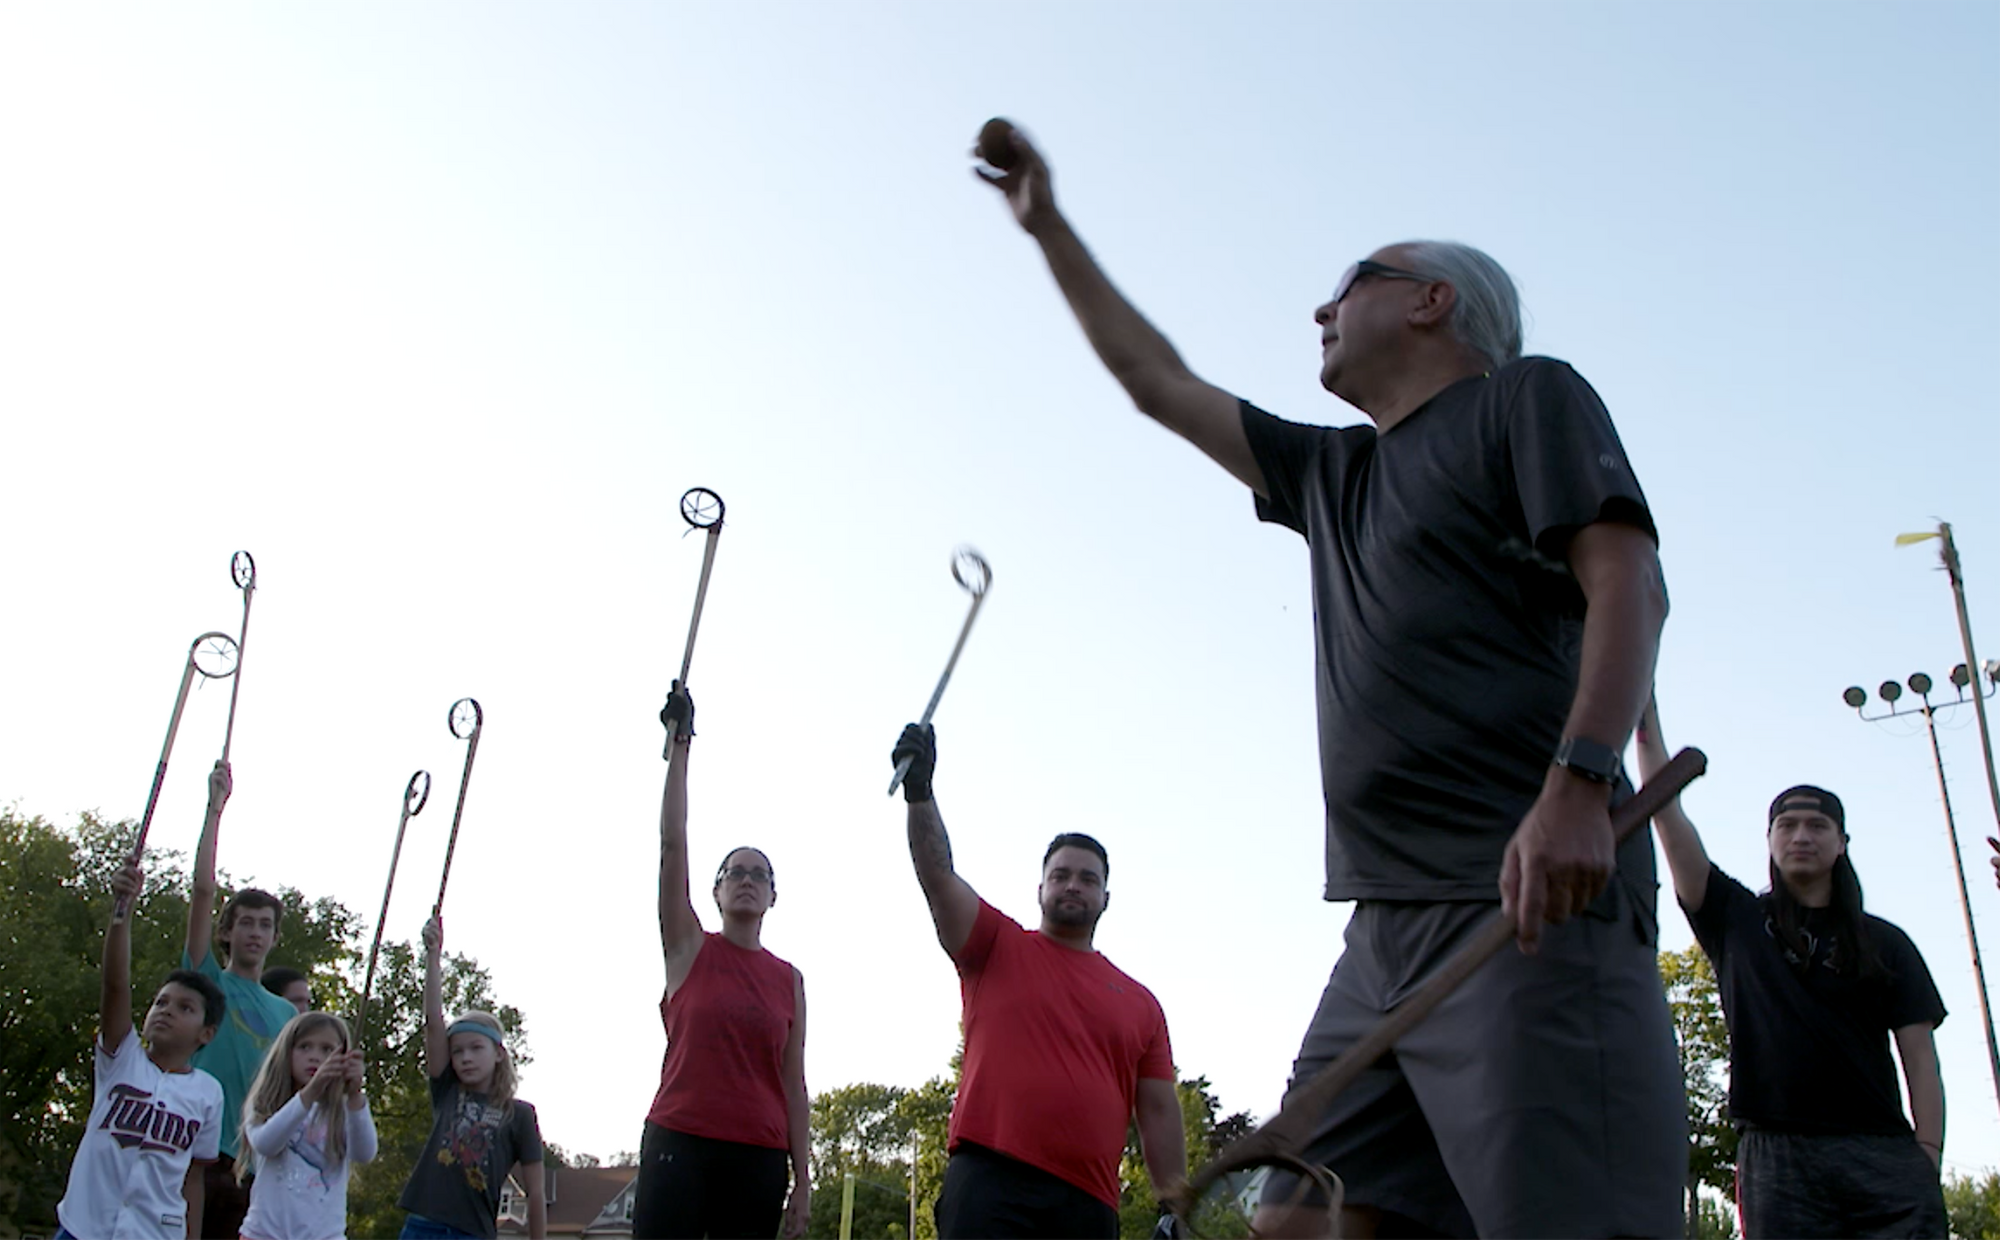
<point x="296" y="1195"/>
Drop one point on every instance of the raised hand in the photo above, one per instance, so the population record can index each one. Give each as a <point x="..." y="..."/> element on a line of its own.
<point x="678" y="713"/>
<point x="1024" y="182"/>
<point x="220" y="785"/>
<point x="125" y="884"/>
<point x="918" y="743"/>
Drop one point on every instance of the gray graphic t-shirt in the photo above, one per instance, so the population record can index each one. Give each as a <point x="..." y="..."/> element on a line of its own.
<point x="472" y="1148"/>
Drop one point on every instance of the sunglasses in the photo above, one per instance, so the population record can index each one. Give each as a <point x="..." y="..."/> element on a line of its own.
<point x="1369" y="267"/>
<point x="736" y="874"/>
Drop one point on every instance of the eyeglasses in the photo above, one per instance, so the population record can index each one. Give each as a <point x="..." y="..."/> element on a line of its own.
<point x="1369" y="267"/>
<point x="736" y="874"/>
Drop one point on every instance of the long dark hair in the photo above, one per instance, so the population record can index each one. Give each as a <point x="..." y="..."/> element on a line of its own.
<point x="1854" y="954"/>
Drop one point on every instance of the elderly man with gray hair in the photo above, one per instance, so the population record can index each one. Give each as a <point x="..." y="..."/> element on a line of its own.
<point x="1488" y="604"/>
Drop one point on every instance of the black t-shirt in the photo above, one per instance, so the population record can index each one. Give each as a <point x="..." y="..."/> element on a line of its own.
<point x="1809" y="1051"/>
<point x="1448" y="625"/>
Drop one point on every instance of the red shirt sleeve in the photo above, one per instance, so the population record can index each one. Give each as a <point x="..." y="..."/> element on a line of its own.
<point x="1156" y="1062"/>
<point x="978" y="946"/>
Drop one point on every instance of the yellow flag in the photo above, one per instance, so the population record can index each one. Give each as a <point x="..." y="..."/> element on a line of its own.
<point x="1904" y="540"/>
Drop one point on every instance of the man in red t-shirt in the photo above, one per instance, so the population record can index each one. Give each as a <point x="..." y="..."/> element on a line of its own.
<point x="1062" y="1049"/>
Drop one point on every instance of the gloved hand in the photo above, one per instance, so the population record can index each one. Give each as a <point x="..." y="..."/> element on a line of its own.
<point x="919" y="745"/>
<point x="1169" y="1227"/>
<point x="678" y="713"/>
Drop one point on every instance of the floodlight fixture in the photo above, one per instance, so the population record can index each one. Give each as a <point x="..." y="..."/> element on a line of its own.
<point x="1960" y="677"/>
<point x="1856" y="696"/>
<point x="1920" y="684"/>
<point x="1889" y="690"/>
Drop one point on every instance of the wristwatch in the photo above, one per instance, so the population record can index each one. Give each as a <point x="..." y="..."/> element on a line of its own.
<point x="1587" y="759"/>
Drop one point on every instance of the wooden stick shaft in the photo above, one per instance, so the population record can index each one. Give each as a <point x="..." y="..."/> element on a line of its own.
<point x="937" y="695"/>
<point x="1287" y="1132"/>
<point x="122" y="908"/>
<point x="694" y="624"/>
<point x="457" y="815"/>
<point x="375" y="950"/>
<point x="236" y="687"/>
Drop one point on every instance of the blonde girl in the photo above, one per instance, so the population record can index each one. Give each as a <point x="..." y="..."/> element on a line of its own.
<point x="480" y="1132"/>
<point x="305" y="1125"/>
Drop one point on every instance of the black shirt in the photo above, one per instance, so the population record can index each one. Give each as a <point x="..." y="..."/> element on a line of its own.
<point x="1448" y="627"/>
<point x="1809" y="1048"/>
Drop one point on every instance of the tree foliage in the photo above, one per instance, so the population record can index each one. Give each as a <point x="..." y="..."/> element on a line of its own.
<point x="1972" y="1203"/>
<point x="1703" y="1039"/>
<point x="54" y="903"/>
<point x="866" y="1130"/>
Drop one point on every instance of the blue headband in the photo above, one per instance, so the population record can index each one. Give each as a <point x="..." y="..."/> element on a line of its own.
<point x="479" y="1027"/>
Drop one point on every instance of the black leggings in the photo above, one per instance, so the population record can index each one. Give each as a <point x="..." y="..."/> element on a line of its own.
<point x="988" y="1195"/>
<point x="691" y="1187"/>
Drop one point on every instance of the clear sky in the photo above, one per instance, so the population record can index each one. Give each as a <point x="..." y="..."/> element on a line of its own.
<point x="438" y="309"/>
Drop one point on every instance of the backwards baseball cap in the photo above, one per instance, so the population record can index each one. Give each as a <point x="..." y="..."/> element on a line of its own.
<point x="1807" y="797"/>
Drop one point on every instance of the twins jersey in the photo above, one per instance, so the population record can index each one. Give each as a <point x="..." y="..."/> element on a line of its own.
<point x="146" y="1125"/>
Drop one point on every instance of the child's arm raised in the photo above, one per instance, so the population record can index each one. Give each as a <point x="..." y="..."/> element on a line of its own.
<point x="114" y="1019"/>
<point x="437" y="1041"/>
<point x="201" y="900"/>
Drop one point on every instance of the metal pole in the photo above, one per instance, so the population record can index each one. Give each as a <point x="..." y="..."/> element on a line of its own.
<point x="916" y="1141"/>
<point x="1964" y="900"/>
<point x="1949" y="553"/>
<point x="847" y="1208"/>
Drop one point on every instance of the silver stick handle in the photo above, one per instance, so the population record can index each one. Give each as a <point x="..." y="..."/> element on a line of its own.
<point x="903" y="767"/>
<point x="694" y="624"/>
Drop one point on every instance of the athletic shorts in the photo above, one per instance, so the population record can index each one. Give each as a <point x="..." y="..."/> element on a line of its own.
<point x="697" y="1186"/>
<point x="1792" y="1184"/>
<point x="989" y="1196"/>
<point x="1543" y="1098"/>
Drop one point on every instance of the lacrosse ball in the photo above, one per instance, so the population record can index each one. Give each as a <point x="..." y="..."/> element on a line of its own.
<point x="996" y="145"/>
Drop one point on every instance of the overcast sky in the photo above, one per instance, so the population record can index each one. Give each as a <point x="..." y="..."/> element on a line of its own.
<point x="438" y="309"/>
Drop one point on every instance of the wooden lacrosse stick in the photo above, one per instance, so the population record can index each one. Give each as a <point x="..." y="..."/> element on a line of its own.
<point x="242" y="571"/>
<point x="415" y="794"/>
<point x="973" y="575"/>
<point x="213" y="655"/>
<point x="702" y="509"/>
<point x="466" y="721"/>
<point x="1282" y="1140"/>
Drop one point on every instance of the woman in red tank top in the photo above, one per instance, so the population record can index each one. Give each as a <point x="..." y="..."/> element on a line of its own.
<point x="731" y="1116"/>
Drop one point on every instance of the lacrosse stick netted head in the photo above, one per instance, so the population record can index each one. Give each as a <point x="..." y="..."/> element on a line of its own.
<point x="701" y="507"/>
<point x="1210" y="1207"/>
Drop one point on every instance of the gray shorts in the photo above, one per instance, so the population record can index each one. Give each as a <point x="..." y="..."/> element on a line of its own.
<point x="1544" y="1098"/>
<point x="1797" y="1185"/>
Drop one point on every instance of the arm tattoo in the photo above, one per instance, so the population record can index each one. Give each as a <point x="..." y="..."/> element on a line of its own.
<point x="930" y="848"/>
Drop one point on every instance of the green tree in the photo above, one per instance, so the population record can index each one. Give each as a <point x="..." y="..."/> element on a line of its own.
<point x="1973" y="1205"/>
<point x="1713" y="1219"/>
<point x="861" y="1130"/>
<point x="1206" y="1134"/>
<point x="1703" y="1039"/>
<point x="54" y="902"/>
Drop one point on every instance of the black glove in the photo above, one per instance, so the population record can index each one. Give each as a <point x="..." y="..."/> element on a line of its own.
<point x="678" y="713"/>
<point x="1169" y="1227"/>
<point x="918" y="743"/>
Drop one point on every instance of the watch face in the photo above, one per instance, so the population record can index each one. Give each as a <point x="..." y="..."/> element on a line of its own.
<point x="1588" y="759"/>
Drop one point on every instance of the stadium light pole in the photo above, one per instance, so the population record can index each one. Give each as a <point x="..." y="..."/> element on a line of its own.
<point x="1948" y="556"/>
<point x="1921" y="685"/>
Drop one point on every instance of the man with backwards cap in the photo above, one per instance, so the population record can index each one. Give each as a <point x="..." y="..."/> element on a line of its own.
<point x="1812" y="989"/>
